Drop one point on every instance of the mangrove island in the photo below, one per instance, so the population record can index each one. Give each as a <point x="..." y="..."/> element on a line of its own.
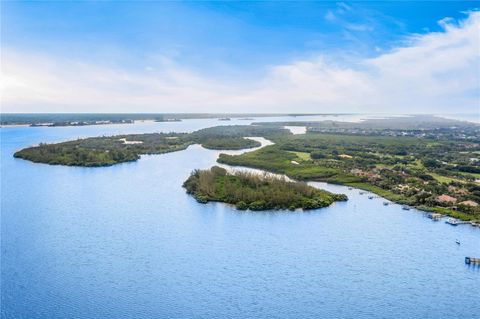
<point x="256" y="191"/>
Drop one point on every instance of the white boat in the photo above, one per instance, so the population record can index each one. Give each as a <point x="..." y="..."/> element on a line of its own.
<point x="452" y="221"/>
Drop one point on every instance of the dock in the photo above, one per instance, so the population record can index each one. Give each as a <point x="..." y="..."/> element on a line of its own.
<point x="435" y="216"/>
<point x="471" y="260"/>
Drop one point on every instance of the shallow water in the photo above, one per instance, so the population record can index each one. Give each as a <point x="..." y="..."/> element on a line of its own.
<point x="127" y="242"/>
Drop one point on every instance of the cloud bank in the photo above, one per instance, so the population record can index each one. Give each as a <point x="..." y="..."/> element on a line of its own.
<point x="430" y="73"/>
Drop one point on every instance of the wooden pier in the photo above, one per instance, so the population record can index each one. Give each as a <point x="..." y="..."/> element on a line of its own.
<point x="471" y="260"/>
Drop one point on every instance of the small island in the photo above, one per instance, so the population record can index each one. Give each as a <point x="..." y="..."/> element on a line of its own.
<point x="256" y="191"/>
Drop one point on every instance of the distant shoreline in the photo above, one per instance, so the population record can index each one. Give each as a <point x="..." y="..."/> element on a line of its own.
<point x="10" y="120"/>
<point x="82" y="119"/>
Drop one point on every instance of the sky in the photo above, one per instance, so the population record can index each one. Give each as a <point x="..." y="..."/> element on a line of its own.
<point x="238" y="57"/>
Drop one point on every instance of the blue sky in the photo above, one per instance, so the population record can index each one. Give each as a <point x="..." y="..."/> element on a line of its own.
<point x="237" y="56"/>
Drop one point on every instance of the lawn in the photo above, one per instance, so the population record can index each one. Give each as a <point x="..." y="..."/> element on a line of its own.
<point x="445" y="179"/>
<point x="304" y="156"/>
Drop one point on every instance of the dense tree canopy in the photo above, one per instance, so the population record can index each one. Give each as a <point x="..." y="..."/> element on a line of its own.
<point x="255" y="192"/>
<point x="110" y="150"/>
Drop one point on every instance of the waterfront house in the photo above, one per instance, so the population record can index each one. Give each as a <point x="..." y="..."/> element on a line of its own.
<point x="446" y="199"/>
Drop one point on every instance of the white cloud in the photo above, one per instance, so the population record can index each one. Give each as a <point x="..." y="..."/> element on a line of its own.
<point x="344" y="6"/>
<point x="330" y="16"/>
<point x="435" y="72"/>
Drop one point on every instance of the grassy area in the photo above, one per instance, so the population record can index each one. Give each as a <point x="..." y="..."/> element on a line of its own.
<point x="417" y="164"/>
<point x="444" y="179"/>
<point x="381" y="166"/>
<point x="474" y="175"/>
<point x="303" y="156"/>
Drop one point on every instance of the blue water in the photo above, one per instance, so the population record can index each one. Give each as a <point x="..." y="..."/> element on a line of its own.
<point x="127" y="242"/>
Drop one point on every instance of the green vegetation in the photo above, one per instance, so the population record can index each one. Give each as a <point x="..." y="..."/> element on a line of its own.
<point x="230" y="143"/>
<point x="273" y="159"/>
<point x="406" y="170"/>
<point x="110" y="150"/>
<point x="104" y="151"/>
<point x="303" y="156"/>
<point x="230" y="131"/>
<point x="255" y="192"/>
<point x="443" y="179"/>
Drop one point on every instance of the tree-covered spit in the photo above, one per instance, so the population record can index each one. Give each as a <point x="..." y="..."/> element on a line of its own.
<point x="110" y="150"/>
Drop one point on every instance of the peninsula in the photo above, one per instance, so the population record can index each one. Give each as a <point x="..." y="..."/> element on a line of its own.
<point x="111" y="150"/>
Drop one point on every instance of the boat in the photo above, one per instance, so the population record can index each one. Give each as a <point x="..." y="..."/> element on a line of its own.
<point x="471" y="260"/>
<point x="370" y="197"/>
<point x="457" y="241"/>
<point x="405" y="207"/>
<point x="361" y="193"/>
<point x="452" y="222"/>
<point x="386" y="203"/>
<point x="350" y="188"/>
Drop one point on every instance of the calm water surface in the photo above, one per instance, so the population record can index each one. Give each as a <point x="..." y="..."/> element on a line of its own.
<point x="127" y="242"/>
